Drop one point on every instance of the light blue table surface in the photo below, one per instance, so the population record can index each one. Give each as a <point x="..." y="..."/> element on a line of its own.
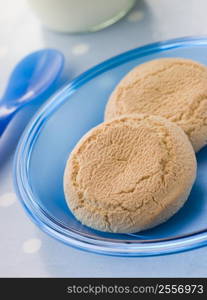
<point x="25" y="251"/>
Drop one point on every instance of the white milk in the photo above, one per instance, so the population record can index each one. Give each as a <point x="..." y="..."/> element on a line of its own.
<point x="80" y="15"/>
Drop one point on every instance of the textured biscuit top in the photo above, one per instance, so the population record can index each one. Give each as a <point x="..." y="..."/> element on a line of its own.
<point x="129" y="174"/>
<point x="170" y="87"/>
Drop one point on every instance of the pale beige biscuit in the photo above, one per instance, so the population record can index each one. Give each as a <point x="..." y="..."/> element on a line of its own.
<point x="170" y="87"/>
<point x="129" y="174"/>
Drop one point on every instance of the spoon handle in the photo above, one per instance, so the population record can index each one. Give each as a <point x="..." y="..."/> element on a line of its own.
<point x="6" y="115"/>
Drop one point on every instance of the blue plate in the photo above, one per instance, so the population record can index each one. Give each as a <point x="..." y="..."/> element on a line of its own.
<point x="51" y="135"/>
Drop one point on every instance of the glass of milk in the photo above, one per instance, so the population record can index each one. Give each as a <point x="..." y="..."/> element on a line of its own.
<point x="80" y="15"/>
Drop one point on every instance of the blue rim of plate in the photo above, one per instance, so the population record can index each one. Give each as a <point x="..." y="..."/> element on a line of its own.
<point x="55" y="228"/>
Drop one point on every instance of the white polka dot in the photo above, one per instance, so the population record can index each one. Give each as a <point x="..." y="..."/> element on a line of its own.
<point x="136" y="16"/>
<point x="80" y="49"/>
<point x="31" y="245"/>
<point x="3" y="51"/>
<point x="7" y="199"/>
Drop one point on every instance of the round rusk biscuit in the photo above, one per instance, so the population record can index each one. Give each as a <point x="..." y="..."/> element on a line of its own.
<point x="129" y="174"/>
<point x="174" y="88"/>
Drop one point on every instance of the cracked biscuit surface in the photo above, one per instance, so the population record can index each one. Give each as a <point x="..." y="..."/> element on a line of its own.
<point x="173" y="88"/>
<point x="129" y="174"/>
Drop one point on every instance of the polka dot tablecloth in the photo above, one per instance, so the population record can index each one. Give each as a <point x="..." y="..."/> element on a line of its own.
<point x="25" y="251"/>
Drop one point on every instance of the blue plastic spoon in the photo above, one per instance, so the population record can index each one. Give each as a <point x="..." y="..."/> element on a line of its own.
<point x="32" y="76"/>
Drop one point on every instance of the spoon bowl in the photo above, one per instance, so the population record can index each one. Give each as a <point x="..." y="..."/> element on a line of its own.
<point x="32" y="76"/>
